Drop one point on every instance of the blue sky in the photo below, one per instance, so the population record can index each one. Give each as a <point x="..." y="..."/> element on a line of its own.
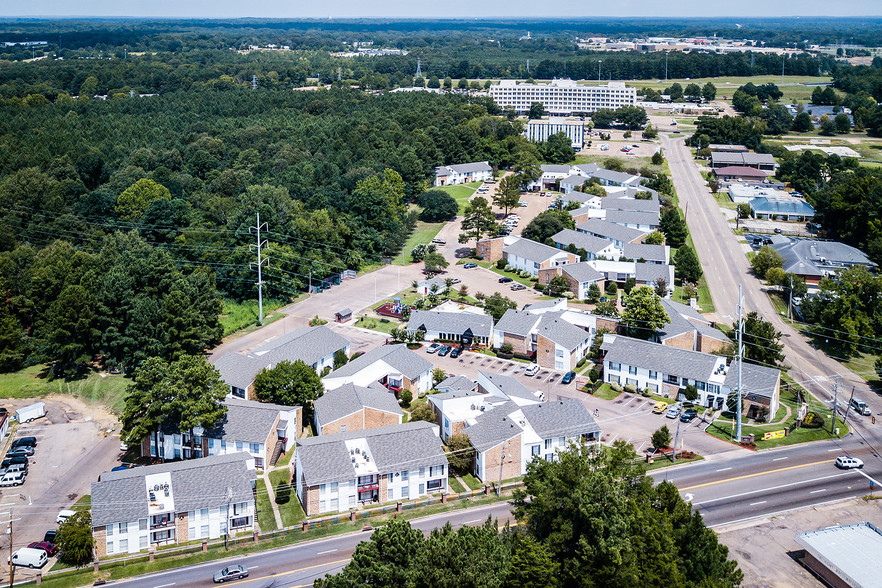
<point x="436" y="8"/>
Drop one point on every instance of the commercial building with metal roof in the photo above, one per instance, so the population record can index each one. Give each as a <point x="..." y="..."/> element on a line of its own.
<point x="785" y="208"/>
<point x="847" y="555"/>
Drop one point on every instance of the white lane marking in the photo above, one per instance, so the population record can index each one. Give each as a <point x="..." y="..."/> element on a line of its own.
<point x="779" y="512"/>
<point x="760" y="502"/>
<point x="834" y="449"/>
<point x="688" y="497"/>
<point x="165" y="585"/>
<point x="472" y="522"/>
<point x="723" y="469"/>
<point x="780" y="458"/>
<point x="253" y="567"/>
<point x="773" y="488"/>
<point x="327" y="551"/>
<point x="816" y="491"/>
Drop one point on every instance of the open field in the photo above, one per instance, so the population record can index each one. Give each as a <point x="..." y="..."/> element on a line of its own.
<point x="34" y="381"/>
<point x="422" y="233"/>
<point x="240" y="315"/>
<point x="461" y="192"/>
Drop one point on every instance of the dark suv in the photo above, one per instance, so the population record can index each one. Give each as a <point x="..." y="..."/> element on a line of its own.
<point x="25" y="442"/>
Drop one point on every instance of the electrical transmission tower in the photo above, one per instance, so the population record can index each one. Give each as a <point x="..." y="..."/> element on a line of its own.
<point x="253" y="82"/>
<point x="419" y="71"/>
<point x="260" y="261"/>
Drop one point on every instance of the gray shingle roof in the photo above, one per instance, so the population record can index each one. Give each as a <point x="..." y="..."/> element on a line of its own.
<point x="685" y="319"/>
<point x="349" y="398"/>
<point x="309" y="345"/>
<point x="198" y="483"/>
<point x="555" y="169"/>
<point x="609" y="231"/>
<point x="517" y="322"/>
<point x="613" y="176"/>
<point x="247" y="420"/>
<point x="573" y="180"/>
<point x="399" y="357"/>
<point x="755" y="379"/>
<point x="803" y="256"/>
<point x="493" y="427"/>
<point x="613" y="202"/>
<point x="456" y="383"/>
<point x="659" y="253"/>
<point x="531" y="250"/>
<point x="437" y="280"/>
<point x="582" y="272"/>
<point x="562" y="418"/>
<point x="650" y="272"/>
<point x="587" y="168"/>
<point x="393" y="448"/>
<point x="589" y="243"/>
<point x="509" y="386"/>
<point x="481" y="325"/>
<point x="661" y="358"/>
<point x="463" y="168"/>
<point x="565" y="334"/>
<point x="631" y="217"/>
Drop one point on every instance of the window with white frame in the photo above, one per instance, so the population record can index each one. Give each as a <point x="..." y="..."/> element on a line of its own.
<point x="143" y="542"/>
<point x="653" y="375"/>
<point x="203" y="531"/>
<point x="616" y="367"/>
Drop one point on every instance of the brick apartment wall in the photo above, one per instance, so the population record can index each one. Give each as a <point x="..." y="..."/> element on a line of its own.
<point x="182" y="527"/>
<point x="249" y="392"/>
<point x="410" y="385"/>
<point x="682" y="341"/>
<point x="352" y="422"/>
<point x="546" y="274"/>
<point x="457" y="427"/>
<point x="605" y="323"/>
<point x="670" y="390"/>
<point x="638" y="239"/>
<point x="310" y="500"/>
<point x="708" y="345"/>
<point x="374" y="418"/>
<point x="490" y="249"/>
<point x="518" y="343"/>
<point x="581" y="218"/>
<point x="384" y="487"/>
<point x="511" y="467"/>
<point x="544" y="352"/>
<point x="145" y="445"/>
<point x="100" y="536"/>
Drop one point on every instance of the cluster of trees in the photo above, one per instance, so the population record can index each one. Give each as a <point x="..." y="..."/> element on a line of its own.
<point x="676" y="92"/>
<point x="587" y="519"/>
<point x="630" y="117"/>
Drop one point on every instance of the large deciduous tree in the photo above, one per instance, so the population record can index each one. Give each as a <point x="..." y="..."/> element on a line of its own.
<point x="290" y="384"/>
<point x="75" y="541"/>
<point x="762" y="343"/>
<point x="644" y="313"/>
<point x="133" y="202"/>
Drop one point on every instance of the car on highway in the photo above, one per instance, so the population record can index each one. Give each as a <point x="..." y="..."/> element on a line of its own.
<point x="688" y="415"/>
<point x="518" y="287"/>
<point x="846" y="462"/>
<point x="454" y="353"/>
<point x="230" y="573"/>
<point x="505" y="280"/>
<point x="860" y="406"/>
<point x="532" y="369"/>
<point x="673" y="412"/>
<point x="49" y="548"/>
<point x="445" y="349"/>
<point x="470" y="266"/>
<point x="568" y="377"/>
<point x="433" y="348"/>
<point x="659" y="407"/>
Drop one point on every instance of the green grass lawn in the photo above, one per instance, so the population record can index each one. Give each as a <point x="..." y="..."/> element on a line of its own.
<point x="377" y="324"/>
<point x="239" y="315"/>
<point x="456" y="486"/>
<point x="290" y="511"/>
<point x="704" y="297"/>
<point x="35" y="381"/>
<point x="265" y="517"/>
<point x="724" y="201"/>
<point x="84" y="502"/>
<point x="472" y="482"/>
<point x="606" y="392"/>
<point x="659" y="462"/>
<point x="726" y="86"/>
<point x="461" y="193"/>
<point x="286" y="458"/>
<point x="513" y="275"/>
<point x="423" y="233"/>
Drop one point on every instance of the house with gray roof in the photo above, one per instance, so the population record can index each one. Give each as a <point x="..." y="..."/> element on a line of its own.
<point x="314" y="346"/>
<point x="761" y="389"/>
<point x="510" y="436"/>
<point x="616" y="234"/>
<point x="527" y="255"/>
<point x="455" y="384"/>
<point x="625" y="200"/>
<point x="579" y="276"/>
<point x="394" y="366"/>
<point x="335" y="473"/>
<point x="608" y="177"/>
<point x="642" y="221"/>
<point x="355" y="408"/>
<point x="263" y="430"/>
<point x="550" y="176"/>
<point x="667" y="370"/>
<point x="591" y="245"/>
<point x="688" y="329"/>
<point x="660" y="254"/>
<point x="176" y="502"/>
<point x="645" y="274"/>
<point x="507" y="388"/>
<point x="763" y="161"/>
<point x="465" y="327"/>
<point x="560" y="344"/>
<point x="463" y="173"/>
<point x="814" y="260"/>
<point x="436" y="285"/>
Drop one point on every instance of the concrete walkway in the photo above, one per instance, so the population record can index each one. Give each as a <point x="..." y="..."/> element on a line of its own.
<point x="271" y="492"/>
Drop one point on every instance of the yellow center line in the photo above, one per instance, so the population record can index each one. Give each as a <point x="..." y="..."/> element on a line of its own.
<point x="285" y="573"/>
<point x="805" y="465"/>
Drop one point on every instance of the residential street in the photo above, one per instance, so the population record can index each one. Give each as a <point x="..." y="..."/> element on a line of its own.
<point x="726" y="266"/>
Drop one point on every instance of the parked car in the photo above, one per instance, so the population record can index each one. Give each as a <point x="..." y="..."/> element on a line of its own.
<point x="860" y="406"/>
<point x="433" y="348"/>
<point x="659" y="407"/>
<point x="14" y="459"/>
<point x="846" y="462"/>
<point x="29" y="558"/>
<point x="230" y="573"/>
<point x="25" y="442"/>
<point x="439" y="241"/>
<point x="532" y="369"/>
<point x="518" y="286"/>
<point x="505" y="280"/>
<point x="445" y="349"/>
<point x="568" y="377"/>
<point x="522" y="204"/>
<point x="673" y="412"/>
<point x="23" y="450"/>
<point x="63" y="515"/>
<point x="49" y="548"/>
<point x="454" y="353"/>
<point x="12" y="479"/>
<point x="778" y="230"/>
<point x="688" y="415"/>
<point x="50" y="535"/>
<point x="470" y="266"/>
<point x="15" y="467"/>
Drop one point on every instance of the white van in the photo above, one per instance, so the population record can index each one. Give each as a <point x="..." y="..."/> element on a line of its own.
<point x="12" y="479"/>
<point x="63" y="515"/>
<point x="29" y="558"/>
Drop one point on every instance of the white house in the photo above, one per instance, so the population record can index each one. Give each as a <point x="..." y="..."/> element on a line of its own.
<point x="174" y="502"/>
<point x="531" y="256"/>
<point x="463" y="173"/>
<point x="394" y="366"/>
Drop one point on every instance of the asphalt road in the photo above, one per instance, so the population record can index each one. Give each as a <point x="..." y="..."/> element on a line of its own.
<point x="726" y="266"/>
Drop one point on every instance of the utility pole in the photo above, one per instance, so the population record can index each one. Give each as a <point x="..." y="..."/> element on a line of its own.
<point x="848" y="406"/>
<point x="260" y="262"/>
<point x="419" y="71"/>
<point x="790" y="299"/>
<point x="835" y="399"/>
<point x="740" y="361"/>
<point x="676" y="438"/>
<point x="227" y="523"/>
<point x="783" y="59"/>
<point x="9" y="532"/>
<point x="501" y="461"/>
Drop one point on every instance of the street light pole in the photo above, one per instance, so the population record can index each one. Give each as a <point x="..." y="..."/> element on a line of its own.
<point x="740" y="361"/>
<point x="599" y="61"/>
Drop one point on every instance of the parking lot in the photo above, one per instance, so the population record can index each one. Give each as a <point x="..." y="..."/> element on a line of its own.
<point x="72" y="450"/>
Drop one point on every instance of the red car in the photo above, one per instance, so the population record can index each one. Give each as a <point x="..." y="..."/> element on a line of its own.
<point x="49" y="548"/>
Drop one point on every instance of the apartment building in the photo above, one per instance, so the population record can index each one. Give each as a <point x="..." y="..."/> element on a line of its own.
<point x="355" y="408"/>
<point x="562" y="97"/>
<point x="539" y="130"/>
<point x="463" y="173"/>
<point x="394" y="366"/>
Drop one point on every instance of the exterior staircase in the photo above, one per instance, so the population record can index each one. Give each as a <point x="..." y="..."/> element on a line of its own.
<point x="277" y="452"/>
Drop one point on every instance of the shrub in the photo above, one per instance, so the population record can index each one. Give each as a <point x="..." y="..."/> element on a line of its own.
<point x="524" y="274"/>
<point x="616" y="387"/>
<point x="594" y="375"/>
<point x="630" y="388"/>
<point x="581" y="362"/>
<point x="813" y="421"/>
<point x="612" y="288"/>
<point x="316" y="321"/>
<point x="646" y="392"/>
<point x="506" y="348"/>
<point x="406" y="397"/>
<point x="283" y="493"/>
<point x="500" y="263"/>
<point x="569" y="295"/>
<point x="509" y="268"/>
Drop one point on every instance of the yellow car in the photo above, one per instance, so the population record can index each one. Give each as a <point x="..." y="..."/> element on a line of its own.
<point x="659" y="407"/>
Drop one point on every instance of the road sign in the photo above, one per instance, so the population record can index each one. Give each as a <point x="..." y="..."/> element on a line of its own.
<point x="774" y="435"/>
